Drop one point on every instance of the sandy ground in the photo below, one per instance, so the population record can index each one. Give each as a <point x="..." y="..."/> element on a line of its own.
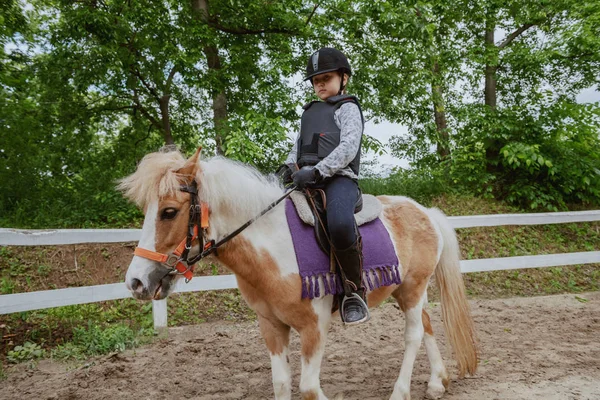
<point x="531" y="348"/>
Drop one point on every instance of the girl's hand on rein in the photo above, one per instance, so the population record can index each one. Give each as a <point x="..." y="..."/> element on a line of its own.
<point x="305" y="177"/>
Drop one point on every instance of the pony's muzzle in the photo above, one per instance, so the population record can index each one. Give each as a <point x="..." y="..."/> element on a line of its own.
<point x="159" y="286"/>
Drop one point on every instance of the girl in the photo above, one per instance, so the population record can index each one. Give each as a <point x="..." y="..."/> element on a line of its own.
<point x="328" y="153"/>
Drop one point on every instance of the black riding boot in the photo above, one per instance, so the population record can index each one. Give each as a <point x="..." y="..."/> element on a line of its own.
<point x="353" y="309"/>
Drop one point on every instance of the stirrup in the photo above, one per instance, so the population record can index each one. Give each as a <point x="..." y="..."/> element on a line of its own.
<point x="363" y="304"/>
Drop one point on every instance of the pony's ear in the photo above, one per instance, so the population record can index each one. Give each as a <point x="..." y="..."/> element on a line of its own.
<point x="191" y="165"/>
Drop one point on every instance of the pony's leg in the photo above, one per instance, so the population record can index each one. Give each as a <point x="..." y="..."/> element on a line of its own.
<point x="312" y="339"/>
<point x="277" y="336"/>
<point x="438" y="381"/>
<point x="410" y="296"/>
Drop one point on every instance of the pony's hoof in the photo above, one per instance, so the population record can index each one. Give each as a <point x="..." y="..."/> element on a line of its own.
<point x="338" y="396"/>
<point x="435" y="391"/>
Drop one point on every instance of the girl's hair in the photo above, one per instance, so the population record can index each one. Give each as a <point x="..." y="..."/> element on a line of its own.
<point x="342" y="75"/>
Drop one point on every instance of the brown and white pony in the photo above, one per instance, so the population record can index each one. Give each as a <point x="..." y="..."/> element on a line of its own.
<point x="263" y="260"/>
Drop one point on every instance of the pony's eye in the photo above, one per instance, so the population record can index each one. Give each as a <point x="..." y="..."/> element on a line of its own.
<point x="168" y="213"/>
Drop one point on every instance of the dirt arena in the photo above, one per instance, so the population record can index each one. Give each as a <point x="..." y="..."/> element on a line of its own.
<point x="531" y="348"/>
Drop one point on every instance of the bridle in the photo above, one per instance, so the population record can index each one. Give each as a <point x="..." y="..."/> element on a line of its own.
<point x="178" y="261"/>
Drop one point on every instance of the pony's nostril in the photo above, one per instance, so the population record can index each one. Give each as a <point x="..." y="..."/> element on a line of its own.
<point x="136" y="286"/>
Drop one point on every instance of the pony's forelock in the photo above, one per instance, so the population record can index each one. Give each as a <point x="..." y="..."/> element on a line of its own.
<point x="154" y="178"/>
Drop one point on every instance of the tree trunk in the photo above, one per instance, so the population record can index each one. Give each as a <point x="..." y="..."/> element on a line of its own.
<point x="166" y="121"/>
<point x="219" y="97"/>
<point x="439" y="113"/>
<point x="492" y="150"/>
<point x="490" y="67"/>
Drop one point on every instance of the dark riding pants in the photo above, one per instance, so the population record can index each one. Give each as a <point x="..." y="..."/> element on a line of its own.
<point x="341" y="194"/>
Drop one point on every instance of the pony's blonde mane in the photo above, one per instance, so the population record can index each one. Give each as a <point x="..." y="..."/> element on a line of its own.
<point x="154" y="178"/>
<point x="220" y="180"/>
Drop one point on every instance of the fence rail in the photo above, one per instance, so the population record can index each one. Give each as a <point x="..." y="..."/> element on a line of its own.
<point x="90" y="294"/>
<point x="46" y="237"/>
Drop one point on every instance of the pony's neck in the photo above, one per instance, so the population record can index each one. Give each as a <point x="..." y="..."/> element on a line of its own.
<point x="235" y="193"/>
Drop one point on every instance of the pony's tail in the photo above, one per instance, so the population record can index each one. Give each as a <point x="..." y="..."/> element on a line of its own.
<point x="456" y="312"/>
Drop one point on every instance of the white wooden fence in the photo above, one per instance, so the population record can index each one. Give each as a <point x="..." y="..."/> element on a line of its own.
<point x="89" y="294"/>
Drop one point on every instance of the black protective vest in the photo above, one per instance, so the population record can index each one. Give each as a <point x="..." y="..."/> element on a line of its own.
<point x="319" y="134"/>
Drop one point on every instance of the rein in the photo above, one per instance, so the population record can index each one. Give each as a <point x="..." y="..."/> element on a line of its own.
<point x="179" y="261"/>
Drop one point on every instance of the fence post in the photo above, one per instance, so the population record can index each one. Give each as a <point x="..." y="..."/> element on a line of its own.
<point x="159" y="313"/>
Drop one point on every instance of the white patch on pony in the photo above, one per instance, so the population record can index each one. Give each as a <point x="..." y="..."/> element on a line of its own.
<point x="311" y="369"/>
<point x="413" y="335"/>
<point x="272" y="234"/>
<point x="282" y="375"/>
<point x="140" y="267"/>
<point x="435" y="386"/>
<point x="235" y="193"/>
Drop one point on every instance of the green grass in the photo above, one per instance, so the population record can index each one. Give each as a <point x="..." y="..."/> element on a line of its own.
<point x="80" y="330"/>
<point x="510" y="241"/>
<point x="199" y="307"/>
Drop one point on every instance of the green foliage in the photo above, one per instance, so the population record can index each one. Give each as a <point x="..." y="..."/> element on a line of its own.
<point x="27" y="352"/>
<point x="84" y="330"/>
<point x="102" y="84"/>
<point x="257" y="140"/>
<point x="95" y="340"/>
<point x="13" y="23"/>
<point x="421" y="185"/>
<point x="468" y="170"/>
<point x="536" y="148"/>
<point x="11" y="271"/>
<point x="542" y="162"/>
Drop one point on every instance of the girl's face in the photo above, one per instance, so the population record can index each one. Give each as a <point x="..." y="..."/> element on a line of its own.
<point x="327" y="84"/>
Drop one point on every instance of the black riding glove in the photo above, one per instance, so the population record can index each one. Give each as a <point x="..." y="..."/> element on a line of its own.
<point x="284" y="172"/>
<point x="306" y="177"/>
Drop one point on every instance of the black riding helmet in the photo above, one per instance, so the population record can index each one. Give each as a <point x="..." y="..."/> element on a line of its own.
<point x="327" y="59"/>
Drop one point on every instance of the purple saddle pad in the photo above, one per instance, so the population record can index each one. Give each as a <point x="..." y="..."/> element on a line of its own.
<point x="380" y="263"/>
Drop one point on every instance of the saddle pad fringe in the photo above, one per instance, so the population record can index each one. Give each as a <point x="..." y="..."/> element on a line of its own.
<point x="323" y="284"/>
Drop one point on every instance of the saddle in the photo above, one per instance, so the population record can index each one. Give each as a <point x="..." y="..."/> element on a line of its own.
<point x="367" y="209"/>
